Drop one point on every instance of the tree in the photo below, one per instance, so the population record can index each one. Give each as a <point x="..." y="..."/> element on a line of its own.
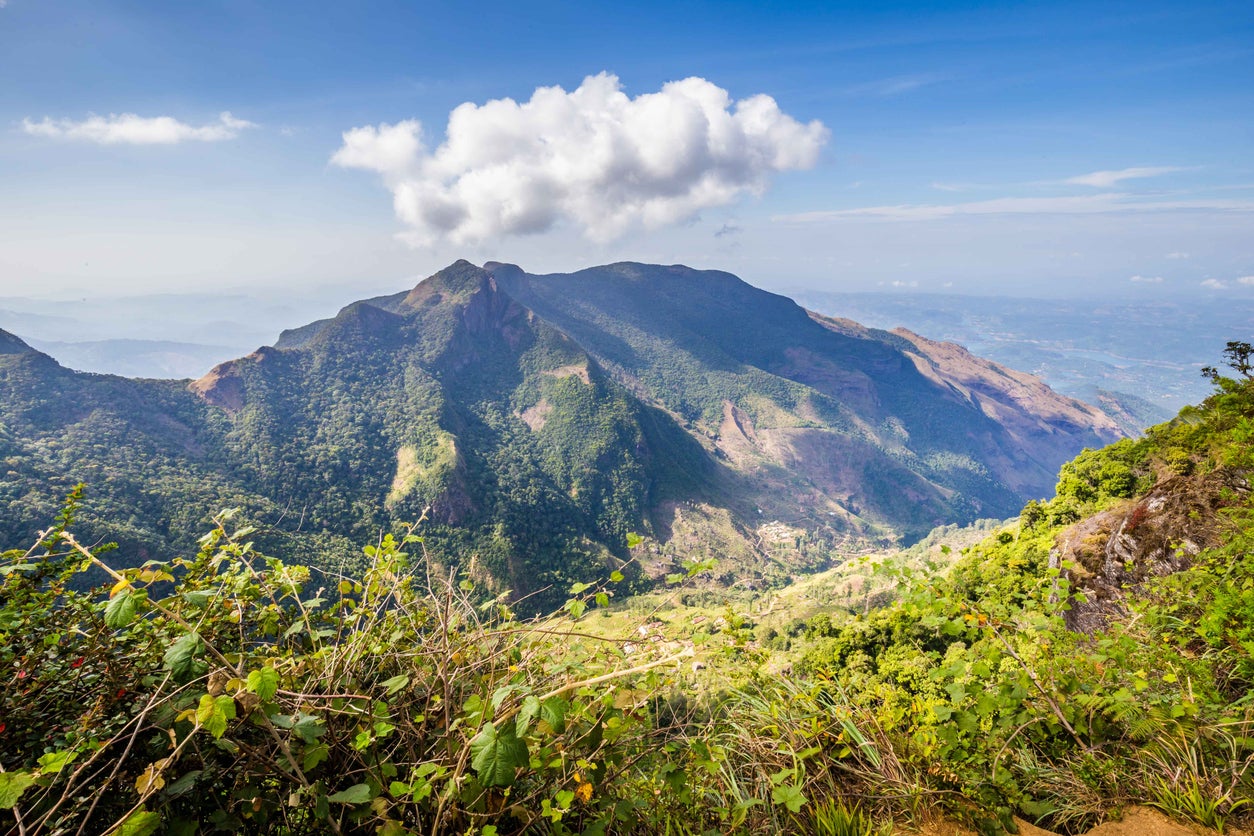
<point x="1240" y="358"/>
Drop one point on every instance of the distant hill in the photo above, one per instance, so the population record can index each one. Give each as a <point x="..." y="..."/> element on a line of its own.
<point x="1139" y="359"/>
<point x="540" y="419"/>
<point x="136" y="358"/>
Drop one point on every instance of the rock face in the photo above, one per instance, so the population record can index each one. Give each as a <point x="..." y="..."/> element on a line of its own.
<point x="1155" y="535"/>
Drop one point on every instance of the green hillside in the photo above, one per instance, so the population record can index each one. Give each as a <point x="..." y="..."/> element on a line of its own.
<point x="228" y="691"/>
<point x="536" y="421"/>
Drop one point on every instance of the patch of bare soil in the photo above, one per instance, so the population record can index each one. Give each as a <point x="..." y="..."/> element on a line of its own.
<point x="1135" y="821"/>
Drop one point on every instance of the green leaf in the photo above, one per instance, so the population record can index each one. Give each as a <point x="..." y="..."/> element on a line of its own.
<point x="790" y="796"/>
<point x="183" y="785"/>
<point x="199" y="598"/>
<point x="180" y="659"/>
<point x="56" y="761"/>
<point x="633" y="539"/>
<point x="396" y="683"/>
<point x="309" y="728"/>
<point x="529" y="711"/>
<point x="12" y="785"/>
<point x="496" y="755"/>
<point x="121" y="609"/>
<point x="264" y="682"/>
<point x="553" y="711"/>
<point x="139" y="823"/>
<point x="356" y="794"/>
<point x="616" y="576"/>
<point x="214" y="712"/>
<point x="314" y="755"/>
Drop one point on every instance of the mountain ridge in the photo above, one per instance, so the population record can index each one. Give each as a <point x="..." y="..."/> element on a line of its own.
<point x="537" y="420"/>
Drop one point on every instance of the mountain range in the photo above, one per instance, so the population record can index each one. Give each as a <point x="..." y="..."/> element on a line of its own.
<point x="537" y="420"/>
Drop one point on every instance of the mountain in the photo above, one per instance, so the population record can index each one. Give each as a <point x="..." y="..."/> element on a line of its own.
<point x="136" y="358"/>
<point x="538" y="420"/>
<point x="1138" y="355"/>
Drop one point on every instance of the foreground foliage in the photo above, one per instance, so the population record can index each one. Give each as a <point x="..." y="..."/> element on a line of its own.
<point x="233" y="692"/>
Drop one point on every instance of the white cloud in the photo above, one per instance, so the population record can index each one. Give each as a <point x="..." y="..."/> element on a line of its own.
<point x="1214" y="284"/>
<point x="1177" y="256"/>
<point x="592" y="156"/>
<point x="1106" y="179"/>
<point x="1106" y="203"/>
<point x="130" y="129"/>
<point x="1146" y="279"/>
<point x="1246" y="280"/>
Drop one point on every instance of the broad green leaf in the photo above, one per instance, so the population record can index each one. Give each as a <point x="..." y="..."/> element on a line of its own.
<point x="12" y="785"/>
<point x="199" y="598"/>
<point x="264" y="682"/>
<point x="183" y="784"/>
<point x="633" y="539"/>
<point x="553" y="711"/>
<point x="616" y="576"/>
<point x="497" y="754"/>
<point x="356" y="794"/>
<point x="314" y="755"/>
<point x="121" y="609"/>
<point x="309" y="728"/>
<point x="180" y="659"/>
<point x="56" y="761"/>
<point x="790" y="796"/>
<point x="139" y="823"/>
<point x="214" y="712"/>
<point x="529" y="711"/>
<point x="396" y="683"/>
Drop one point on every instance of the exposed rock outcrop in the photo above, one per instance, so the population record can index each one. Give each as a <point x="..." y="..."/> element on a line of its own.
<point x="1155" y="535"/>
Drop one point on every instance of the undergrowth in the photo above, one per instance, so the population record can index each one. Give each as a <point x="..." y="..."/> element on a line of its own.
<point x="231" y="691"/>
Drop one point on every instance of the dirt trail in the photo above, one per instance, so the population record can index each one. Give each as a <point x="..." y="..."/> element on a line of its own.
<point x="1136" y="821"/>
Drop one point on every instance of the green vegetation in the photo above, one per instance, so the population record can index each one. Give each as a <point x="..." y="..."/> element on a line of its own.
<point x="535" y="421"/>
<point x="233" y="692"/>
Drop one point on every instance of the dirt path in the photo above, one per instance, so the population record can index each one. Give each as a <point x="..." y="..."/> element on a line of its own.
<point x="1136" y="821"/>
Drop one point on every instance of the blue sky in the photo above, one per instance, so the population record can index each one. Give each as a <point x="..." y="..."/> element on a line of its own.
<point x="1029" y="148"/>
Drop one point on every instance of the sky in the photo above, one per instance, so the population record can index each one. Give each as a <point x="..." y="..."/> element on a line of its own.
<point x="342" y="150"/>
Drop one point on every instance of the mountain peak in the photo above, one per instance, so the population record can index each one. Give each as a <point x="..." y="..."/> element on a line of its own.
<point x="459" y="279"/>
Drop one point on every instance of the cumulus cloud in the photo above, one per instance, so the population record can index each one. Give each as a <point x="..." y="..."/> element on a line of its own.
<point x="1214" y="284"/>
<point x="1106" y="179"/>
<point x="131" y="129"/>
<point x="1246" y="280"/>
<point x="592" y="156"/>
<point x="1146" y="279"/>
